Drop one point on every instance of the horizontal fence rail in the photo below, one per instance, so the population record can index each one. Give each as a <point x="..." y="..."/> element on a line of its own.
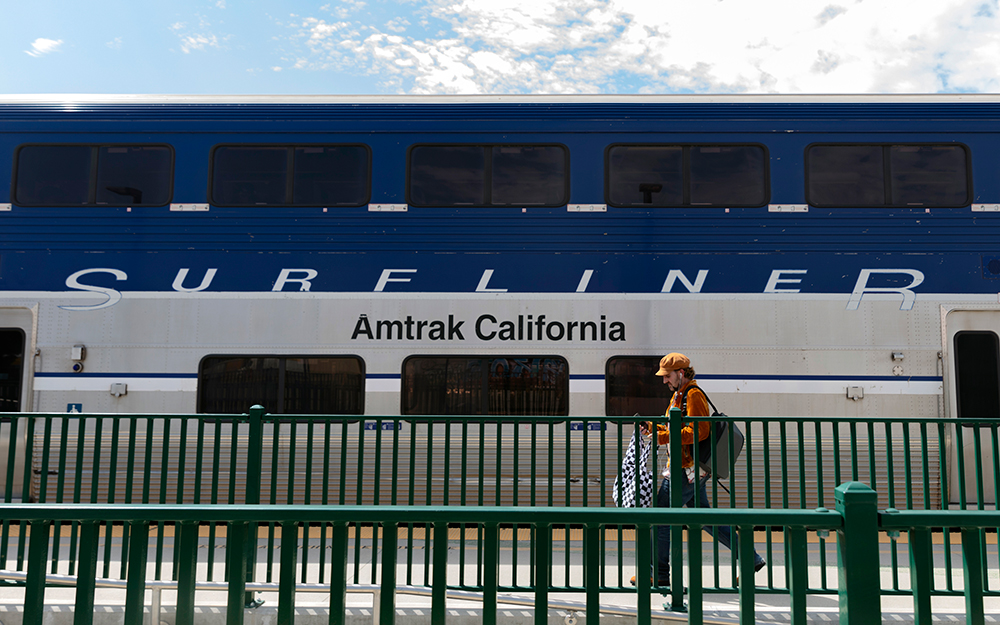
<point x="467" y="461"/>
<point x="856" y="523"/>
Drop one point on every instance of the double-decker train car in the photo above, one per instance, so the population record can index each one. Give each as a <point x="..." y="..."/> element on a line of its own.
<point x="813" y="256"/>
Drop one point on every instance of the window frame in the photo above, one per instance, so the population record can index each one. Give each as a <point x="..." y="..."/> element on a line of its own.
<point x="488" y="173"/>
<point x="887" y="172"/>
<point x="484" y="357"/>
<point x="686" y="173"/>
<point x="356" y="357"/>
<point x="94" y="168"/>
<point x="289" y="175"/>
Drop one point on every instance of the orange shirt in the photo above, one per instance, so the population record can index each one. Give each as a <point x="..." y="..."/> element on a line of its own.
<point x="697" y="406"/>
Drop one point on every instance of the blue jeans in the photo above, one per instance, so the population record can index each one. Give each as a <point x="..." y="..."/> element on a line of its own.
<point x="722" y="533"/>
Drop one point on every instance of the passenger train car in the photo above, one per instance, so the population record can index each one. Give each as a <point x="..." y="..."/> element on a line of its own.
<point x="814" y="256"/>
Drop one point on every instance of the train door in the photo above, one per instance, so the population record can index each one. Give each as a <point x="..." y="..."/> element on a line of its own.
<point x="972" y="382"/>
<point x="16" y="346"/>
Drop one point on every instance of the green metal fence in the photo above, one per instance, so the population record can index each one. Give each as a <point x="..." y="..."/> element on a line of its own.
<point x="464" y="461"/>
<point x="856" y="521"/>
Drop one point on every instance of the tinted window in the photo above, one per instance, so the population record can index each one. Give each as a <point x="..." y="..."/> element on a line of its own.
<point x="498" y="175"/>
<point x="977" y="374"/>
<point x="330" y="175"/>
<point x="485" y="386"/>
<point x="11" y="368"/>
<point x="887" y="175"/>
<point x="108" y="175"/>
<point x="632" y="386"/>
<point x="250" y="176"/>
<point x="928" y="175"/>
<point x="133" y="175"/>
<point x="687" y="175"/>
<point x="529" y="175"/>
<point x="282" y="384"/>
<point x="282" y="175"/>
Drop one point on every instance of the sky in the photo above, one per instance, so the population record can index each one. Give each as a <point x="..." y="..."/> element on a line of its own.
<point x="387" y="47"/>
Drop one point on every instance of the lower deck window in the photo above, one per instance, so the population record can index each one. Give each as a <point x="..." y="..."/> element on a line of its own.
<point x="282" y="384"/>
<point x="632" y="387"/>
<point x="456" y="385"/>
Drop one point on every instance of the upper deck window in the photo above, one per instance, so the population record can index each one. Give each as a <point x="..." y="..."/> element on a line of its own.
<point x="290" y="175"/>
<point x="488" y="175"/>
<point x="93" y="175"/>
<point x="881" y="175"/>
<point x="454" y="385"/>
<point x="658" y="176"/>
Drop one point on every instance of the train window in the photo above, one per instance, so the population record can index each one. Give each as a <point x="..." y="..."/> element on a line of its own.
<point x="454" y="385"/>
<point x="11" y="368"/>
<point x="659" y="176"/>
<point x="858" y="176"/>
<point x="282" y="384"/>
<point x="290" y="175"/>
<point x="977" y="374"/>
<point x="631" y="386"/>
<point x="95" y="175"/>
<point x="488" y="175"/>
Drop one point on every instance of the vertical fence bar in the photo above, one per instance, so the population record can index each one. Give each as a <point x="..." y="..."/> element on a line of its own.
<point x="187" y="571"/>
<point x="972" y="558"/>
<point x="542" y="566"/>
<point x="387" y="606"/>
<point x="746" y="564"/>
<point x="592" y="554"/>
<point x="491" y="546"/>
<point x="255" y="461"/>
<point x="798" y="575"/>
<point x="86" y="582"/>
<point x="921" y="575"/>
<point x="676" y="500"/>
<point x="34" y="592"/>
<point x="135" y="589"/>
<point x="237" y="565"/>
<point x="643" y="555"/>
<point x="696" y="613"/>
<point x="439" y="587"/>
<point x="338" y="574"/>
<point x="286" y="583"/>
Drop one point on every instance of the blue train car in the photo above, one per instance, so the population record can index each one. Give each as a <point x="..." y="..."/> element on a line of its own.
<point x="820" y="256"/>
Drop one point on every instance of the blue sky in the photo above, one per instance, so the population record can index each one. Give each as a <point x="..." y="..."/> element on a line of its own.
<point x="501" y="46"/>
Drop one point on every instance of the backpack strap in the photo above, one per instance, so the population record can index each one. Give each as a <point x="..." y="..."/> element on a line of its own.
<point x="684" y="399"/>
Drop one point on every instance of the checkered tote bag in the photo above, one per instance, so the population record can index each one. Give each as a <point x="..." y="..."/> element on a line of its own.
<point x="624" y="488"/>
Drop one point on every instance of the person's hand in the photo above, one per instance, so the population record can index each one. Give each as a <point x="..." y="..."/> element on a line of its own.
<point x="644" y="428"/>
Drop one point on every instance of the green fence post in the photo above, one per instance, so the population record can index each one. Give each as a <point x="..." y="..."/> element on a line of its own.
<point x="593" y="556"/>
<point x="255" y="462"/>
<point x="236" y="559"/>
<point x="86" y="582"/>
<point x="34" y="592"/>
<point x="390" y="541"/>
<point x="187" y="569"/>
<point x="338" y="574"/>
<point x="135" y="588"/>
<point x="439" y="587"/>
<point x="543" y="572"/>
<point x="973" y="563"/>
<point x="921" y="575"/>
<point x="286" y="582"/>
<point x="858" y="555"/>
<point x="491" y="559"/>
<point x="798" y="578"/>
<point x="676" y="499"/>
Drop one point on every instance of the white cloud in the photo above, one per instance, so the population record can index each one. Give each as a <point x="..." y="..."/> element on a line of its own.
<point x="720" y="46"/>
<point x="201" y="39"/>
<point x="42" y="46"/>
<point x="115" y="44"/>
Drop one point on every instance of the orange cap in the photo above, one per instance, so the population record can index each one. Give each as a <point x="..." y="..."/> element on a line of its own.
<point x="672" y="362"/>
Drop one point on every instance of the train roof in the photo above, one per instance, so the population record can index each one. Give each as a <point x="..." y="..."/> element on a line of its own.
<point x="499" y="107"/>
